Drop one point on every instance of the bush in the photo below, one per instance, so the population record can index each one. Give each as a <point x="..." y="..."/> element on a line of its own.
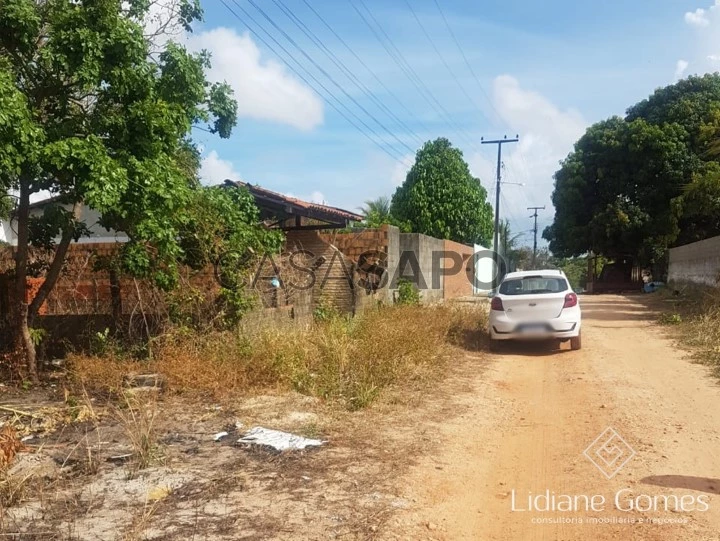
<point x="408" y="293"/>
<point x="349" y="361"/>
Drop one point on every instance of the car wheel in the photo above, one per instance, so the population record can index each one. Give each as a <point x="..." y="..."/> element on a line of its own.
<point x="495" y="346"/>
<point x="576" y="342"/>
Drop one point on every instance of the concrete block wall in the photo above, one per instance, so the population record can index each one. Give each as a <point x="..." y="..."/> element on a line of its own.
<point x="416" y="264"/>
<point x="698" y="262"/>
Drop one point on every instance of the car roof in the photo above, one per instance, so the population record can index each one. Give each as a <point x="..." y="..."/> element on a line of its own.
<point x="540" y="272"/>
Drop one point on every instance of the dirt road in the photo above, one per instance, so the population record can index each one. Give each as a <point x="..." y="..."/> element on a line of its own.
<point x="522" y="433"/>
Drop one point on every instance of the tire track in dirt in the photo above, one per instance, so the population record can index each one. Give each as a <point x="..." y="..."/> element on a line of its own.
<point x="529" y="418"/>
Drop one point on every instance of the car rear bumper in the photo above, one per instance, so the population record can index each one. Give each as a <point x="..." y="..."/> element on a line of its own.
<point x="505" y="329"/>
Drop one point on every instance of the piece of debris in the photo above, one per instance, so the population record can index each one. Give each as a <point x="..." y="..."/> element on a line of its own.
<point x="219" y="436"/>
<point x="120" y="459"/>
<point x="154" y="382"/>
<point x="27" y="438"/>
<point x="281" y="441"/>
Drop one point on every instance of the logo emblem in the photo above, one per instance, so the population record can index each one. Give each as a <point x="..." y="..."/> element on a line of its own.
<point x="609" y="452"/>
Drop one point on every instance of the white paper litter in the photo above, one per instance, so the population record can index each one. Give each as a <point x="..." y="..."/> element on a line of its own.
<point x="281" y="441"/>
<point x="219" y="436"/>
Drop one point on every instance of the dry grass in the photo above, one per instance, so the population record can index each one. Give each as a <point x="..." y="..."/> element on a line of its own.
<point x="350" y="361"/>
<point x="694" y="315"/>
<point x="137" y="415"/>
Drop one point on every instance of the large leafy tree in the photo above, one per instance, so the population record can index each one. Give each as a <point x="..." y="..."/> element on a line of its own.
<point x="626" y="188"/>
<point x="91" y="114"/>
<point x="441" y="198"/>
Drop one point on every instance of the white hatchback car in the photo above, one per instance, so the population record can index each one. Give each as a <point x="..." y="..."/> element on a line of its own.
<point x="532" y="305"/>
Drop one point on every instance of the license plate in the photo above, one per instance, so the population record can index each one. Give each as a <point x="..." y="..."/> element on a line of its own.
<point x="533" y="328"/>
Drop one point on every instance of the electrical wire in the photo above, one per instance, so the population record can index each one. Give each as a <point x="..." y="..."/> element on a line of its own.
<point x="337" y="106"/>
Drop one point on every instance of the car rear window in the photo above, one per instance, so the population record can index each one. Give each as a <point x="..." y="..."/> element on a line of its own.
<point x="531" y="285"/>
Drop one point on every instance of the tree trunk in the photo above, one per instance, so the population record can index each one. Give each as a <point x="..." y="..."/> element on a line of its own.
<point x="56" y="266"/>
<point x="116" y="297"/>
<point x="22" y="340"/>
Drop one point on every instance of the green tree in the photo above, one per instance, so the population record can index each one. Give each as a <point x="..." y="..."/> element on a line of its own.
<point x="88" y="113"/>
<point x="377" y="212"/>
<point x="613" y="193"/>
<point x="441" y="198"/>
<point x="637" y="185"/>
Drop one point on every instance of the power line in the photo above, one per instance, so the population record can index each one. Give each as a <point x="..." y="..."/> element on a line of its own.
<point x="343" y="68"/>
<point x="406" y="68"/>
<point x="305" y="80"/>
<point x="364" y="64"/>
<point x="442" y="58"/>
<point x="499" y="143"/>
<point x="480" y="85"/>
<point x="329" y="77"/>
<point x="535" y="230"/>
<point x="467" y="62"/>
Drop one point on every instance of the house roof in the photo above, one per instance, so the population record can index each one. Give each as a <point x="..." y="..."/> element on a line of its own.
<point x="282" y="207"/>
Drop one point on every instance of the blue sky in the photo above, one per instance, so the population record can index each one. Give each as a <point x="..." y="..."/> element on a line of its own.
<point x="545" y="70"/>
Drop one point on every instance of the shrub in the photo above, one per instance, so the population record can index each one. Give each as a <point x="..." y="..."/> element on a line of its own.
<point x="408" y="292"/>
<point x="349" y="361"/>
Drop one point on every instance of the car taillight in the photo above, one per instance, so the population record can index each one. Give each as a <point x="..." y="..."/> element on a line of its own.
<point x="496" y="304"/>
<point x="570" y="300"/>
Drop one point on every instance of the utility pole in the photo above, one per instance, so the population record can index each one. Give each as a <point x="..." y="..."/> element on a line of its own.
<point x="535" y="215"/>
<point x="499" y="143"/>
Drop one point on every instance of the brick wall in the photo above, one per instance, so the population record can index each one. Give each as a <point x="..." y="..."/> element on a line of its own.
<point x="334" y="283"/>
<point x="698" y="262"/>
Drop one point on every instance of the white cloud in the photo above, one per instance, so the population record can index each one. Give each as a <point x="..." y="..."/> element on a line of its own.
<point x="697" y="18"/>
<point x="214" y="170"/>
<point x="680" y="68"/>
<point x="263" y="88"/>
<point x="706" y="37"/>
<point x="314" y="197"/>
<point x="547" y="135"/>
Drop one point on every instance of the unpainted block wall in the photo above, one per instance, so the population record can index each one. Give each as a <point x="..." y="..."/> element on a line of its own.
<point x="416" y="264"/>
<point x="698" y="262"/>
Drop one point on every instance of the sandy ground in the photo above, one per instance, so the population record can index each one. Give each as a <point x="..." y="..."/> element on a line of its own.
<point x="463" y="459"/>
<point x="524" y="427"/>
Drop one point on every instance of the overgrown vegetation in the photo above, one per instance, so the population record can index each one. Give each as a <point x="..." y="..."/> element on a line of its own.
<point x="694" y="316"/>
<point x="408" y="293"/>
<point x="344" y="360"/>
<point x="92" y="112"/>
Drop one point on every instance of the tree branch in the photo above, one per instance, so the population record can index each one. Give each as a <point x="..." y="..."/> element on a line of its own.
<point x="56" y="266"/>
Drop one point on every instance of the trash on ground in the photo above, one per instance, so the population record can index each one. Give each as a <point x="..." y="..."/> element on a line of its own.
<point x="651" y="287"/>
<point x="219" y="436"/>
<point x="281" y="441"/>
<point x="120" y="459"/>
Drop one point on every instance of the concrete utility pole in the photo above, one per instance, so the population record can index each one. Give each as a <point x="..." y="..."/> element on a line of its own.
<point x="535" y="215"/>
<point x="499" y="143"/>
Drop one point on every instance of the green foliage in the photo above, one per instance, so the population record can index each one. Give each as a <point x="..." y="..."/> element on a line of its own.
<point x="699" y="206"/>
<point x="667" y="318"/>
<point x="441" y="198"/>
<point x="636" y="186"/>
<point x="89" y="114"/>
<point x="576" y="270"/>
<point x="37" y="336"/>
<point x="408" y="293"/>
<point x="377" y="212"/>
